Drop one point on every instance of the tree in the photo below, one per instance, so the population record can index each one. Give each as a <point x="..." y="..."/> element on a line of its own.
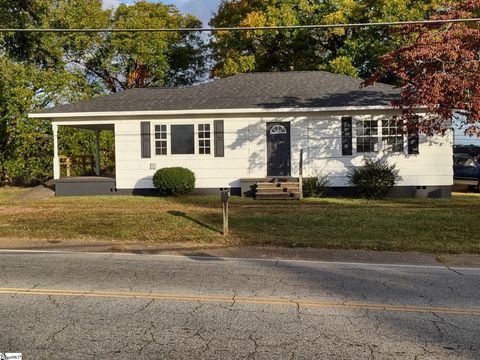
<point x="125" y="60"/>
<point x="39" y="70"/>
<point x="114" y="61"/>
<point x="23" y="46"/>
<point x="350" y="52"/>
<point x="26" y="144"/>
<point x="236" y="52"/>
<point x="440" y="70"/>
<point x="34" y="74"/>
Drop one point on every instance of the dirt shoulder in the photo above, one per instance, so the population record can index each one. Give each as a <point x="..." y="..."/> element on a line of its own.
<point x="247" y="252"/>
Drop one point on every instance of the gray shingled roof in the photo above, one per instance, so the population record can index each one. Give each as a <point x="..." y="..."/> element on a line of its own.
<point x="302" y="89"/>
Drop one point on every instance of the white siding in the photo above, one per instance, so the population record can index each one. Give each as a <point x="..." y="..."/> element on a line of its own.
<point x="244" y="154"/>
<point x="431" y="167"/>
<point x="319" y="134"/>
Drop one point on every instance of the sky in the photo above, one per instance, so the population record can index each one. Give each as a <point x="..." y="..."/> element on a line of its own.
<point x="203" y="9"/>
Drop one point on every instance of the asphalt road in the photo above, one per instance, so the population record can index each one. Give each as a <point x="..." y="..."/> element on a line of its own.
<point x="106" y="306"/>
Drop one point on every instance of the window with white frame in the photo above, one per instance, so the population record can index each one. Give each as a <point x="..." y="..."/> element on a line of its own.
<point x="367" y="136"/>
<point x="374" y="135"/>
<point x="161" y="139"/>
<point x="392" y="135"/>
<point x="204" y="142"/>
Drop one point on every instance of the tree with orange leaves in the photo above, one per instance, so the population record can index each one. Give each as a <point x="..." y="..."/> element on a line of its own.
<point x="439" y="71"/>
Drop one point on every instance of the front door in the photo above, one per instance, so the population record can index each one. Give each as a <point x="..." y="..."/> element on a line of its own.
<point x="278" y="149"/>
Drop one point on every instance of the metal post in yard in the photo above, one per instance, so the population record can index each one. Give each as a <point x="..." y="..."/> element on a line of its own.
<point x="300" y="177"/>
<point x="225" y="197"/>
<point x="225" y="218"/>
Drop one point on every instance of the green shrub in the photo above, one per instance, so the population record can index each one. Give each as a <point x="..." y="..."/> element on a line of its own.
<point x="374" y="179"/>
<point x="316" y="186"/>
<point x="174" y="181"/>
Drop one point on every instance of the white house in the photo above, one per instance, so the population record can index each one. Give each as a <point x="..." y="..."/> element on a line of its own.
<point x="243" y="129"/>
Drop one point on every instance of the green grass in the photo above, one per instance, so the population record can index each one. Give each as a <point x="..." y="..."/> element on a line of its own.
<point x="428" y="225"/>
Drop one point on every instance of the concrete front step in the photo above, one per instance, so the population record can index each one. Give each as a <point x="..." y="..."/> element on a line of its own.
<point x="277" y="191"/>
<point x="288" y="190"/>
<point x="278" y="188"/>
<point x="277" y="184"/>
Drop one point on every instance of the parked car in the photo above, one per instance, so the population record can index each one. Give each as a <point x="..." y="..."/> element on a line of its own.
<point x="466" y="171"/>
<point x="473" y="150"/>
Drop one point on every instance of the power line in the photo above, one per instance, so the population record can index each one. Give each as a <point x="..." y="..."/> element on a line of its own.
<point x="245" y="28"/>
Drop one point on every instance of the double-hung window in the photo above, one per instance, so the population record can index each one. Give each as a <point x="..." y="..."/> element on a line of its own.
<point x="204" y="142"/>
<point x="367" y="136"/>
<point x="160" y="139"/>
<point x="375" y="135"/>
<point x="392" y="135"/>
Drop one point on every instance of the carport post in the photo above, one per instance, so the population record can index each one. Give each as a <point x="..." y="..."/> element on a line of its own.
<point x="97" y="155"/>
<point x="56" y="159"/>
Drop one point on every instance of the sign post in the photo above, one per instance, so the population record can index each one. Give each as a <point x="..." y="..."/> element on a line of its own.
<point x="300" y="176"/>
<point x="225" y="197"/>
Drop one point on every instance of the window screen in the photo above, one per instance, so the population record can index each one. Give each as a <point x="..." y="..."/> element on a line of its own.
<point x="182" y="139"/>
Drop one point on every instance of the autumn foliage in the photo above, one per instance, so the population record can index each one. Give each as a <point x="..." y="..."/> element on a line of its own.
<point x="439" y="70"/>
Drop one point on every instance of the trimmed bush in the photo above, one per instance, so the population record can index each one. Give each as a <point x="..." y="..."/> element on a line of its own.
<point x="316" y="186"/>
<point x="374" y="179"/>
<point x="174" y="181"/>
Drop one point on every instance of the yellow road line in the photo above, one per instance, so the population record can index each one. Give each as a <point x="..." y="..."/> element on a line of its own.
<point x="243" y="300"/>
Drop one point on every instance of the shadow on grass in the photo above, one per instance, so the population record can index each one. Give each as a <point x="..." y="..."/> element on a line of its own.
<point x="188" y="217"/>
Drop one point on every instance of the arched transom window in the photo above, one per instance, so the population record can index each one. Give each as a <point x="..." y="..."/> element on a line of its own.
<point x="278" y="129"/>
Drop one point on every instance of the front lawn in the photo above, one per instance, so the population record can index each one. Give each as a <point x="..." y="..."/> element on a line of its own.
<point x="436" y="226"/>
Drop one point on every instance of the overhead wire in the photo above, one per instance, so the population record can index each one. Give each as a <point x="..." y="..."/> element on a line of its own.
<point x="242" y="28"/>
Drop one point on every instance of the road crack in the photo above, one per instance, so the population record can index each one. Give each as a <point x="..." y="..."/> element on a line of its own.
<point x="255" y="348"/>
<point x="454" y="271"/>
<point x="151" y="301"/>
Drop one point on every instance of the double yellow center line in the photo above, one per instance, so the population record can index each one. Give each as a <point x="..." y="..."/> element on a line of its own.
<point x="241" y="300"/>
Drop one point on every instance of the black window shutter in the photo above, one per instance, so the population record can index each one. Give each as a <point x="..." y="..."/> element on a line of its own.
<point x="347" y="136"/>
<point x="219" y="138"/>
<point x="145" y="139"/>
<point x="413" y="139"/>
